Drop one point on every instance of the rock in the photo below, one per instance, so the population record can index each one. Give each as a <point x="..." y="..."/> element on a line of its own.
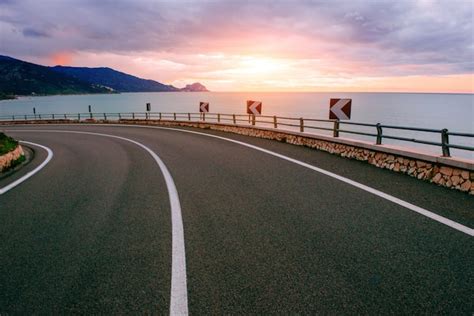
<point x="456" y="172"/>
<point x="412" y="163"/>
<point x="397" y="167"/>
<point x="436" y="178"/>
<point x="447" y="171"/>
<point x="449" y="183"/>
<point x="421" y="175"/>
<point x="442" y="181"/>
<point x="411" y="170"/>
<point x="466" y="186"/>
<point x="429" y="173"/>
<point x="420" y="164"/>
<point x="455" y="180"/>
<point x="465" y="174"/>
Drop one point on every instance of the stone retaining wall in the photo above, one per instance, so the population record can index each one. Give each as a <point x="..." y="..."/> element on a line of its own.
<point x="444" y="175"/>
<point x="7" y="159"/>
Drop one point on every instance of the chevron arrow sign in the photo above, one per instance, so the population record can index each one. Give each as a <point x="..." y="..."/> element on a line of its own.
<point x="340" y="109"/>
<point x="254" y="107"/>
<point x="204" y="107"/>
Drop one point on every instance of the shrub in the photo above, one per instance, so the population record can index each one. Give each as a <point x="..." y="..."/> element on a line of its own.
<point x="7" y="144"/>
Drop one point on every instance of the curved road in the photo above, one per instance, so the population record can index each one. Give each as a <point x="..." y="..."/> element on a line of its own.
<point x="92" y="231"/>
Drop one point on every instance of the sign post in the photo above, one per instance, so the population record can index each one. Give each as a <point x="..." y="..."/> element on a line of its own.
<point x="90" y="112"/>
<point x="254" y="108"/>
<point x="203" y="109"/>
<point x="148" y="108"/>
<point x="340" y="109"/>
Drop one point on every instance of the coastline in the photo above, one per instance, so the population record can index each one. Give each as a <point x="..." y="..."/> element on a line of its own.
<point x="20" y="97"/>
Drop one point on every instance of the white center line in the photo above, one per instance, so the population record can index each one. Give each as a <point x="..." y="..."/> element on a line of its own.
<point x="179" y="294"/>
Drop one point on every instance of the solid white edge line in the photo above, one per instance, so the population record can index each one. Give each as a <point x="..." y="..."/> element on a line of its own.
<point x="10" y="186"/>
<point x="179" y="295"/>
<point x="440" y="219"/>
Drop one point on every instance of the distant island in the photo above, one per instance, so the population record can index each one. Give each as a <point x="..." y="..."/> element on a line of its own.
<point x="21" y="78"/>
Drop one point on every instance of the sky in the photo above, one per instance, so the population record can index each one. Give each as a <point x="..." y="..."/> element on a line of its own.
<point x="236" y="45"/>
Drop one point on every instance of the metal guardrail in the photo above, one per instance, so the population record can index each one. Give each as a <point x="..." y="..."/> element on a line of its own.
<point x="336" y="127"/>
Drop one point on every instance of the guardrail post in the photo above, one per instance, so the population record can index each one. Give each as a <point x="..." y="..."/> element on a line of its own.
<point x="53" y="116"/>
<point x="301" y="125"/>
<point x="39" y="116"/>
<point x="189" y="116"/>
<point x="13" y="116"/>
<point x="120" y="116"/>
<point x="233" y="119"/>
<point x="159" y="116"/>
<point x="335" y="130"/>
<point x="105" y="117"/>
<point x="253" y="119"/>
<point x="250" y="118"/>
<point x="379" y="134"/>
<point x="218" y="117"/>
<point x="65" y="117"/>
<point x="445" y="143"/>
<point x="174" y="115"/>
<point x="275" y="124"/>
<point x="25" y="118"/>
<point x="133" y="115"/>
<point x="78" y="116"/>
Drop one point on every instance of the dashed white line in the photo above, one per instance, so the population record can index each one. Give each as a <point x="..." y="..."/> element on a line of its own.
<point x="179" y="294"/>
<point x="31" y="173"/>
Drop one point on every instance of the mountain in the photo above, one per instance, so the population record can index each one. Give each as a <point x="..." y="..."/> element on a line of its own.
<point x="114" y="79"/>
<point x="18" y="77"/>
<point x="195" y="87"/>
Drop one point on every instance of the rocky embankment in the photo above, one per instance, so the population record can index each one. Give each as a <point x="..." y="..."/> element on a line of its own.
<point x="8" y="159"/>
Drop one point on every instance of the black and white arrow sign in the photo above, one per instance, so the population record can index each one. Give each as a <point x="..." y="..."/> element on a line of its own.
<point x="204" y="107"/>
<point x="254" y="107"/>
<point x="340" y="109"/>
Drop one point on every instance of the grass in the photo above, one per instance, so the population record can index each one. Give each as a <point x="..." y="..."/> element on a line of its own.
<point x="7" y="144"/>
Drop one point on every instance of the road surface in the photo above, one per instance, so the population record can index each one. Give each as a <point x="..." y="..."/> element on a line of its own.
<point x="92" y="231"/>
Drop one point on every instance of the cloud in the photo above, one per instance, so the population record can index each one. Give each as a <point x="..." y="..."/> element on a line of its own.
<point x="339" y="38"/>
<point x="29" y="32"/>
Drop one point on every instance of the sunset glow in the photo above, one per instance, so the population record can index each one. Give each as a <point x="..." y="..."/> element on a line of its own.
<point x="413" y="46"/>
<point x="61" y="58"/>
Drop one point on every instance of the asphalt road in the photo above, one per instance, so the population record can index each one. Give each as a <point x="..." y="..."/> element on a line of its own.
<point x="91" y="232"/>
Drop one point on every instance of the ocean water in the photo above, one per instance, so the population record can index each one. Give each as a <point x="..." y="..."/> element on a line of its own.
<point x="452" y="111"/>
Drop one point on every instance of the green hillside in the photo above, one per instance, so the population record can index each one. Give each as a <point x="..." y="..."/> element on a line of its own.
<point x="22" y="78"/>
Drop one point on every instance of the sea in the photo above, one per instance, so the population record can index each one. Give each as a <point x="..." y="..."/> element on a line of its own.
<point x="454" y="112"/>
